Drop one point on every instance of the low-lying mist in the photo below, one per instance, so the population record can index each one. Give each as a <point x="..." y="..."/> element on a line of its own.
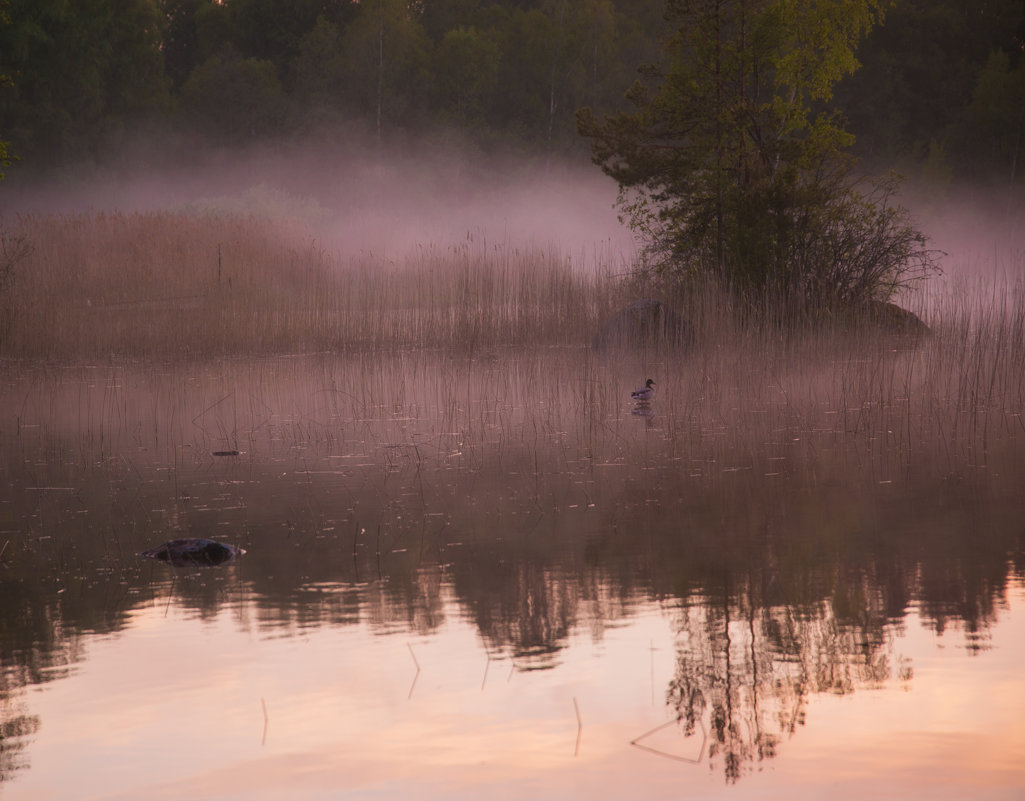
<point x="978" y="228"/>
<point x="357" y="198"/>
<point x="296" y="230"/>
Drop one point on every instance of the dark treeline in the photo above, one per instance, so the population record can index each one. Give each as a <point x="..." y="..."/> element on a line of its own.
<point x="941" y="91"/>
<point x="86" y="76"/>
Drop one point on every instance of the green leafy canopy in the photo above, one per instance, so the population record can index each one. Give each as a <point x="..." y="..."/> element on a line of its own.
<point x="732" y="161"/>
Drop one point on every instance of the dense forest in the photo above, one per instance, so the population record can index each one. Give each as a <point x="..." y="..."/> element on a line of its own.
<point x="940" y="94"/>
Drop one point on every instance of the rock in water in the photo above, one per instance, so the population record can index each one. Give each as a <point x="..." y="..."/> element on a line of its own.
<point x="893" y="319"/>
<point x="645" y="323"/>
<point x="193" y="551"/>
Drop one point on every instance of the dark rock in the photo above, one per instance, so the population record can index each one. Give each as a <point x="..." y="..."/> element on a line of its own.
<point x="893" y="319"/>
<point x="193" y="551"/>
<point x="643" y="323"/>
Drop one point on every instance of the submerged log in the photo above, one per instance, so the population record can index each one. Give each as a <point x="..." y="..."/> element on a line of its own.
<point x="646" y="322"/>
<point x="193" y="551"/>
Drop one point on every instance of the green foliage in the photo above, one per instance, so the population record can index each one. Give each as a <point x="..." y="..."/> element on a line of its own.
<point x="320" y="71"/>
<point x="13" y="248"/>
<point x="911" y="98"/>
<point x="556" y="57"/>
<point x="997" y="113"/>
<point x="232" y="96"/>
<point x="81" y="72"/>
<point x="732" y="163"/>
<point x="194" y="30"/>
<point x="466" y="71"/>
<point x="387" y="56"/>
<point x="84" y="73"/>
<point x="273" y="30"/>
<point x="5" y="157"/>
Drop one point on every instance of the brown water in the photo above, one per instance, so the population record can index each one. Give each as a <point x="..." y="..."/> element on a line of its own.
<point x="494" y="577"/>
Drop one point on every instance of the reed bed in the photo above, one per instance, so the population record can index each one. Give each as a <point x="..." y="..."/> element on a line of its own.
<point x="855" y="409"/>
<point x="481" y="350"/>
<point x="166" y="286"/>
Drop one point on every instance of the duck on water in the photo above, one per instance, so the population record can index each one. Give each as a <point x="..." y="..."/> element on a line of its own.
<point x="645" y="393"/>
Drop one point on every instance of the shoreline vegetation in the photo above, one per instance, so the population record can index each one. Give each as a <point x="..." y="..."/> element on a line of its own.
<point x="141" y="290"/>
<point x="450" y="432"/>
<point x="172" y="285"/>
<point x="167" y="286"/>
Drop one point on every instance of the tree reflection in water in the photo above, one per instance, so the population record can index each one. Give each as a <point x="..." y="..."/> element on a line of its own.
<point x="750" y="671"/>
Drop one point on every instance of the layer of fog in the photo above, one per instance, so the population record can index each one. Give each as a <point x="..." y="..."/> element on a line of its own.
<point x="358" y="199"/>
<point x="977" y="234"/>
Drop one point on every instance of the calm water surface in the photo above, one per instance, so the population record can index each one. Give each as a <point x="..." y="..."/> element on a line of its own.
<point x="465" y="579"/>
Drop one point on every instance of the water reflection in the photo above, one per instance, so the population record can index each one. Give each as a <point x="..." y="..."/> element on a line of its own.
<point x="469" y="497"/>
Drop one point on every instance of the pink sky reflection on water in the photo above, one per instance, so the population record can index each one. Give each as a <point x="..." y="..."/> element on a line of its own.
<point x="172" y="708"/>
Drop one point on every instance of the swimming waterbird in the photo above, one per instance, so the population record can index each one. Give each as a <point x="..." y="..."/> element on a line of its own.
<point x="645" y="393"/>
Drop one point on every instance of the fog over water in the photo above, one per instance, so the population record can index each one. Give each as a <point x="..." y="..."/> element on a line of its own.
<point x="356" y="198"/>
<point x="363" y="199"/>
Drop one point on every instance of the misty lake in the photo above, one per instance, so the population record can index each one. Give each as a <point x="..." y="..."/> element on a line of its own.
<point x="493" y="576"/>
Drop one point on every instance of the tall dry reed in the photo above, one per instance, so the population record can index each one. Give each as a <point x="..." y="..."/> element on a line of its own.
<point x="749" y="397"/>
<point x="174" y="285"/>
